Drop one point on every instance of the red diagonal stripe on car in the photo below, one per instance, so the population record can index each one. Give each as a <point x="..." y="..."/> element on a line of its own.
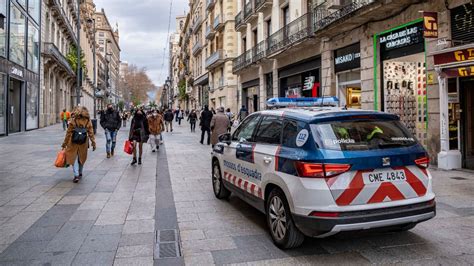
<point x="351" y="192"/>
<point x="385" y="190"/>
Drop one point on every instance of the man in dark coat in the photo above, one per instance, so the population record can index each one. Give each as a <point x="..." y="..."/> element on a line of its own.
<point x="169" y="120"/>
<point x="110" y="121"/>
<point x="206" y="118"/>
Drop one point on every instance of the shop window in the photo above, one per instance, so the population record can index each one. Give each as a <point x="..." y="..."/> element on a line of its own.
<point x="17" y="36"/>
<point x="462" y="29"/>
<point x="31" y="106"/>
<point x="454" y="114"/>
<point x="269" y="85"/>
<point x="33" y="48"/>
<point x="2" y="105"/>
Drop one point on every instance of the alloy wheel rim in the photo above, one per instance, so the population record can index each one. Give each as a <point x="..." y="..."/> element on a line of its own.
<point x="277" y="218"/>
<point x="216" y="180"/>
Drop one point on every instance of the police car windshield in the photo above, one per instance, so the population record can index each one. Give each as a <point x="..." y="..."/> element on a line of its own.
<point x="361" y="135"/>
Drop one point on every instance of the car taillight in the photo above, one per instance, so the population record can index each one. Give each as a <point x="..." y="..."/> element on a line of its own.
<point x="319" y="170"/>
<point x="423" y="162"/>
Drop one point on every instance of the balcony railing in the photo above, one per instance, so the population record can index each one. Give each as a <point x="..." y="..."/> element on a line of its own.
<point x="322" y="16"/>
<point x="215" y="59"/>
<point x="210" y="33"/>
<point x="243" y="61"/>
<point x="210" y="4"/>
<point x="260" y="4"/>
<point x="218" y="23"/>
<point x="65" y="20"/>
<point x="290" y="34"/>
<point x="239" y="20"/>
<point x="197" y="23"/>
<point x="248" y="10"/>
<point x="51" y="50"/>
<point x="258" y="51"/>
<point x="197" y="47"/>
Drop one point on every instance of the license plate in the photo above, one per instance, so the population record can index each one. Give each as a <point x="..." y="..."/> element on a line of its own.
<point x="384" y="176"/>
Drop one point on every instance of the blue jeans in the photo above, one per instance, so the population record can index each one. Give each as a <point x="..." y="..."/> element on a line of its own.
<point x="111" y="137"/>
<point x="64" y="124"/>
<point x="77" y="167"/>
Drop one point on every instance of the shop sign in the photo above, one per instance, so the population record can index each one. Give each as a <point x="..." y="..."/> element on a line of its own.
<point x="467" y="71"/>
<point x="430" y="24"/>
<point x="453" y="57"/>
<point x="16" y="71"/>
<point x="453" y="98"/>
<point x="347" y="58"/>
<point x="403" y="37"/>
<point x="309" y="83"/>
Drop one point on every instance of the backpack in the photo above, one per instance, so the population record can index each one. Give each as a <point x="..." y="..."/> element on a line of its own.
<point x="79" y="135"/>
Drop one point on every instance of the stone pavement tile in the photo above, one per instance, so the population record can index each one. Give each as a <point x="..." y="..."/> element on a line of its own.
<point x="136" y="261"/>
<point x="54" y="258"/>
<point x="116" y="206"/>
<point x="92" y="205"/>
<point x="70" y="237"/>
<point x="137" y="239"/>
<point x="98" y="243"/>
<point x="187" y="235"/>
<point x="106" y="229"/>
<point x="85" y="215"/>
<point x="139" y="226"/>
<point x="94" y="258"/>
<point x="98" y="196"/>
<point x="10" y="211"/>
<point x="204" y="258"/>
<point x="199" y="246"/>
<point x="21" y="201"/>
<point x="121" y="196"/>
<point x="39" y="206"/>
<point x="111" y="218"/>
<point x="141" y="214"/>
<point x="134" y="251"/>
<point x="23" y="251"/>
<point x="39" y="233"/>
<point x="63" y="209"/>
<point x="51" y="219"/>
<point x="4" y="219"/>
<point x="3" y="247"/>
<point x="72" y="200"/>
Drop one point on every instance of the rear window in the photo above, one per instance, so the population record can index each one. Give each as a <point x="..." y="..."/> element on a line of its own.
<point x="361" y="135"/>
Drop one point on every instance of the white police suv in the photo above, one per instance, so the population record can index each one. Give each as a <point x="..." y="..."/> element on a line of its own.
<point x="317" y="171"/>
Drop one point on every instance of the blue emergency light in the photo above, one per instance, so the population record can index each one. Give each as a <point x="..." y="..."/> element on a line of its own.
<point x="303" y="102"/>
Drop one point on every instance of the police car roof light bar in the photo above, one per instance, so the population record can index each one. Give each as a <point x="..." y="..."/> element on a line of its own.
<point x="303" y="102"/>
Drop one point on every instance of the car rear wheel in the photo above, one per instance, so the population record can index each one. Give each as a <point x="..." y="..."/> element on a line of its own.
<point x="220" y="191"/>
<point x="284" y="233"/>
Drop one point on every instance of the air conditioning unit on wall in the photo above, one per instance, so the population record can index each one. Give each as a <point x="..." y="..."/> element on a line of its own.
<point x="338" y="4"/>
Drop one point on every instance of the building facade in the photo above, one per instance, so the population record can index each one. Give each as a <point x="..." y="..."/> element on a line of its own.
<point x="19" y="65"/>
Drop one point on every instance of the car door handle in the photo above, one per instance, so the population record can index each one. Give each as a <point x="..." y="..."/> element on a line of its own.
<point x="267" y="159"/>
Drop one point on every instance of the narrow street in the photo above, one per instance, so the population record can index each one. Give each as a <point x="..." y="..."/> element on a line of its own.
<point x="126" y="215"/>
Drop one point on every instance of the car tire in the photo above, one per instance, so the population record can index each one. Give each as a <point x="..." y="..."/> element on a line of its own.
<point x="220" y="191"/>
<point x="282" y="228"/>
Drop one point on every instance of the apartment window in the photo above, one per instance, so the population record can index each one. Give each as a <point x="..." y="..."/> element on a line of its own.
<point x="269" y="27"/>
<point x="17" y="36"/>
<point x="3" y="36"/>
<point x="255" y="37"/>
<point x="286" y="15"/>
<point x="34" y="9"/>
<point x="101" y="34"/>
<point x="22" y="3"/>
<point x="244" y="44"/>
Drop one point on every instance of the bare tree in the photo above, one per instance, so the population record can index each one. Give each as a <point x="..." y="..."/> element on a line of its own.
<point x="135" y="84"/>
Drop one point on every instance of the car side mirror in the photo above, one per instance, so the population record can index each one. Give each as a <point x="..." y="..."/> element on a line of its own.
<point x="225" y="138"/>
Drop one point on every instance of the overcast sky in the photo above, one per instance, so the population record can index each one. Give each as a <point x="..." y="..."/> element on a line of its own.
<point x="143" y="27"/>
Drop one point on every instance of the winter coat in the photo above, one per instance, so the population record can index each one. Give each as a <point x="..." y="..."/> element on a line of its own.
<point x="219" y="125"/>
<point x="110" y="119"/>
<point x="139" y="130"/>
<point x="169" y="116"/>
<point x="155" y="124"/>
<point x="81" y="119"/>
<point x="68" y="115"/>
<point x="192" y="117"/>
<point x="206" y="117"/>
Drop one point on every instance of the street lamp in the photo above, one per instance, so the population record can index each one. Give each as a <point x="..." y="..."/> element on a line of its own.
<point x="78" y="45"/>
<point x="107" y="61"/>
<point x="91" y="22"/>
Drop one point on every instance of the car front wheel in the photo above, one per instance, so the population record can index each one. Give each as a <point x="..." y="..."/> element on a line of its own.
<point x="284" y="233"/>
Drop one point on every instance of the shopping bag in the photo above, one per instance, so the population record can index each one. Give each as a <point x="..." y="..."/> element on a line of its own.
<point x="128" y="147"/>
<point x="60" y="159"/>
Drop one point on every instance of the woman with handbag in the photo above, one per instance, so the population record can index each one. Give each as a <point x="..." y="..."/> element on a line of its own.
<point x="139" y="133"/>
<point x="76" y="143"/>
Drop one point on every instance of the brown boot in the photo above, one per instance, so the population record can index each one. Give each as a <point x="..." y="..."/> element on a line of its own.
<point x="108" y="155"/>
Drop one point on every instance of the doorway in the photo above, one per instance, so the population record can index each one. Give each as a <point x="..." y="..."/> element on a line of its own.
<point x="14" y="106"/>
<point x="467" y="99"/>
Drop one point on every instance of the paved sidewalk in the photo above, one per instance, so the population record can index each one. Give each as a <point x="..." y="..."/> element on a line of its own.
<point x="226" y="232"/>
<point x="45" y="219"/>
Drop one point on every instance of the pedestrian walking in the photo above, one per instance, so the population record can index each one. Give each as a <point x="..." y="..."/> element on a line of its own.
<point x="229" y="115"/>
<point x="155" y="126"/>
<point x="219" y="125"/>
<point x="139" y="133"/>
<point x="192" y="118"/>
<point x="243" y="113"/>
<point x="176" y="112"/>
<point x="79" y="135"/>
<point x="168" y="120"/>
<point x="65" y="116"/>
<point x="124" y="119"/>
<point x="180" y="116"/>
<point x="110" y="121"/>
<point x="205" y="123"/>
